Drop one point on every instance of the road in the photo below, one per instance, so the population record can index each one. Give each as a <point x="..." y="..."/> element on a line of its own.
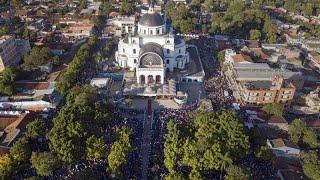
<point x="146" y="144"/>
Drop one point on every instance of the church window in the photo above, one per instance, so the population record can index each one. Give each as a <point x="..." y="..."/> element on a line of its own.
<point x="179" y="51"/>
<point x="123" y="50"/>
<point x="134" y="51"/>
<point x="144" y="32"/>
<point x="158" y="31"/>
<point x="133" y="41"/>
<point x="151" y="32"/>
<point x="168" y="51"/>
<point x="135" y="61"/>
<point x="168" y="41"/>
<point x="168" y="61"/>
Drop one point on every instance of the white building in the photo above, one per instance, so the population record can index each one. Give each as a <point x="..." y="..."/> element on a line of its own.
<point x="123" y="25"/>
<point x="151" y="51"/>
<point x="282" y="147"/>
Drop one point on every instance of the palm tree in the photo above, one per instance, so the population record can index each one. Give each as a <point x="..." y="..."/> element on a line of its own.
<point x="225" y="161"/>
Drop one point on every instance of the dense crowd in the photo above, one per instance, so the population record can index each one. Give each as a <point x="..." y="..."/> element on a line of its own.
<point x="258" y="169"/>
<point x="215" y="82"/>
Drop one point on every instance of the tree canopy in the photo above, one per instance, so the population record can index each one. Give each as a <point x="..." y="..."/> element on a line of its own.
<point x="181" y="18"/>
<point x="212" y="142"/>
<point x="38" y="56"/>
<point x="299" y="133"/>
<point x="276" y="109"/>
<point x="117" y="157"/>
<point x="95" y="147"/>
<point x="36" y="128"/>
<point x="82" y="60"/>
<point x="311" y="164"/>
<point x="78" y="120"/>
<point x="7" y="81"/>
<point x="127" y="7"/>
<point x="44" y="163"/>
<point x="237" y="173"/>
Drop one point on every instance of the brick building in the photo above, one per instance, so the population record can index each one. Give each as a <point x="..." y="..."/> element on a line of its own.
<point x="259" y="84"/>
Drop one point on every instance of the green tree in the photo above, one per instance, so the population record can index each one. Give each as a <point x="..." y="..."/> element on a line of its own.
<point x="106" y="8"/>
<point x="311" y="170"/>
<point x="263" y="153"/>
<point x="7" y="81"/>
<point x="127" y="8"/>
<point x="310" y="138"/>
<point x="237" y="173"/>
<point x="174" y="176"/>
<point x="4" y="31"/>
<point x="68" y="133"/>
<point x="119" y="151"/>
<point x="276" y="109"/>
<point x="296" y="129"/>
<point x="171" y="147"/>
<point x="95" y="148"/>
<point x="195" y="175"/>
<point x="38" y="56"/>
<point x="208" y="5"/>
<point x="211" y="142"/>
<point x="195" y="4"/>
<point x="7" y="166"/>
<point x="44" y="163"/>
<point x="36" y="129"/>
<point x="299" y="133"/>
<point x="20" y="150"/>
<point x="216" y="21"/>
<point x="82" y="60"/>
<point x="311" y="164"/>
<point x="255" y="34"/>
<point x="29" y="35"/>
<point x="224" y="162"/>
<point x="270" y="31"/>
<point x="220" y="57"/>
<point x="308" y="9"/>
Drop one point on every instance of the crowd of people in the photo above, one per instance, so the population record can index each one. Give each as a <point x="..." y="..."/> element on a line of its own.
<point x="215" y="82"/>
<point x="258" y="169"/>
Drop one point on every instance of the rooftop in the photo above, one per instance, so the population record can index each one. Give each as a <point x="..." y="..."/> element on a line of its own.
<point x="316" y="56"/>
<point x="4" y="38"/>
<point x="151" y="19"/>
<point x="262" y="72"/>
<point x="240" y="58"/>
<point x="277" y="143"/>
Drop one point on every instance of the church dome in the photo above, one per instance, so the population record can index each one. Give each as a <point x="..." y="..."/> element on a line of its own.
<point x="151" y="55"/>
<point x="151" y="20"/>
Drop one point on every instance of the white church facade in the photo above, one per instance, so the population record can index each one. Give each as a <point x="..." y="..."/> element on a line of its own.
<point x="152" y="51"/>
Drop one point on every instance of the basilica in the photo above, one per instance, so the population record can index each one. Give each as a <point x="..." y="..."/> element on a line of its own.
<point x="152" y="51"/>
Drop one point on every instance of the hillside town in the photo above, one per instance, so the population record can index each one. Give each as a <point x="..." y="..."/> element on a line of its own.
<point x="160" y="89"/>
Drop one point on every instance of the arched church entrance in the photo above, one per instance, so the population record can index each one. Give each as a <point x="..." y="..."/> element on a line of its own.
<point x="142" y="79"/>
<point x="150" y="79"/>
<point x="158" y="79"/>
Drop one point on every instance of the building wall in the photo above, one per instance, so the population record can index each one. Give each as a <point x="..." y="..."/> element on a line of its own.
<point x="172" y="52"/>
<point x="9" y="52"/>
<point x="284" y="95"/>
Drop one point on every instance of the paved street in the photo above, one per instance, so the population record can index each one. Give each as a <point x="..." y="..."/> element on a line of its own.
<point x="146" y="145"/>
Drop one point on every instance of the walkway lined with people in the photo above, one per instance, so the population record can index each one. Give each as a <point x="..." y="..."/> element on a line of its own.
<point x="146" y="144"/>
